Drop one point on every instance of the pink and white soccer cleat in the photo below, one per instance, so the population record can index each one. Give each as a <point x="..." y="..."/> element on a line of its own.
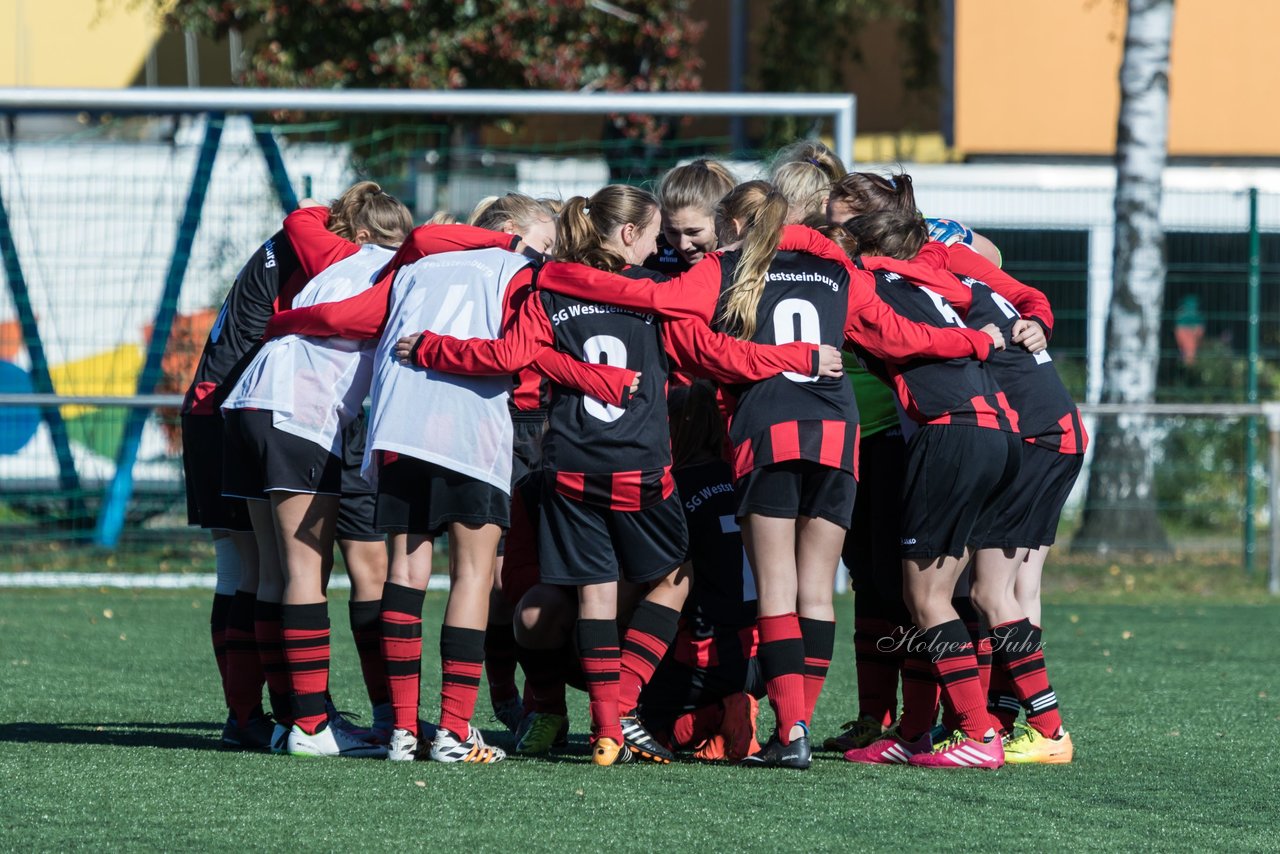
<point x="889" y="749"/>
<point x="960" y="751"/>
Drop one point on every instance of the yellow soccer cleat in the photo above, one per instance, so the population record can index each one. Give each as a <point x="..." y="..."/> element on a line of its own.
<point x="606" y="751"/>
<point x="1028" y="747"/>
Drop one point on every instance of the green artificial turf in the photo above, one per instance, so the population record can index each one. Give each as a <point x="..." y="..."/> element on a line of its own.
<point x="109" y="716"/>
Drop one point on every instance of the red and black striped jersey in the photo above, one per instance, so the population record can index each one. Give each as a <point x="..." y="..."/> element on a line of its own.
<point x="270" y="272"/>
<point x="1047" y="416"/>
<point x="792" y="416"/>
<point x="613" y="456"/>
<point x="938" y="391"/>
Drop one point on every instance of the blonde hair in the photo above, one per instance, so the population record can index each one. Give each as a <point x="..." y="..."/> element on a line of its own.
<point x="366" y="206"/>
<point x="867" y="192"/>
<point x="700" y="184"/>
<point x="805" y="187"/>
<point x="763" y="212"/>
<point x="520" y="210"/>
<point x="893" y="234"/>
<point x="812" y="152"/>
<point x="585" y="224"/>
<point x="442" y="218"/>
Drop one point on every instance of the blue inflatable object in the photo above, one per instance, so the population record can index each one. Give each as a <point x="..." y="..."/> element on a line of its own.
<point x="18" y="424"/>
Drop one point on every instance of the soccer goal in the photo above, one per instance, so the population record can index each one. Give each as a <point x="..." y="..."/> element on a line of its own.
<point x="125" y="215"/>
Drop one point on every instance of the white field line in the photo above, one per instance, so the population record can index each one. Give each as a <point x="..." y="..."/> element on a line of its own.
<point x="152" y="581"/>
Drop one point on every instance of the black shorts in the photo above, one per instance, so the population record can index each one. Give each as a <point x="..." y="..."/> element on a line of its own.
<point x="680" y="686"/>
<point x="356" y="514"/>
<point x="580" y="543"/>
<point x="258" y="458"/>
<point x="202" y="464"/>
<point x="872" y="549"/>
<point x="526" y="445"/>
<point x="955" y="477"/>
<point x="1029" y="510"/>
<point x="417" y="497"/>
<point x="353" y="443"/>
<point x="798" y="488"/>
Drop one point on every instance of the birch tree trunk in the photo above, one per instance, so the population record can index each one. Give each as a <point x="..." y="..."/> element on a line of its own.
<point x="1120" y="506"/>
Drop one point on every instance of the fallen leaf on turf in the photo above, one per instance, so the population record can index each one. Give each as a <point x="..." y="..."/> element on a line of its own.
<point x="421" y="784"/>
<point x="1114" y="570"/>
<point x="108" y="613"/>
<point x="122" y="637"/>
<point x="1106" y="653"/>
<point x="1075" y="618"/>
<point x="1174" y="733"/>
<point x="1126" y="634"/>
<point x="579" y="793"/>
<point x="1262" y="695"/>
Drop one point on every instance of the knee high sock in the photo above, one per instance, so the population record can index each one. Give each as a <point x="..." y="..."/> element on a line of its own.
<point x="643" y="647"/>
<point x="218" y="634"/>
<point x="819" y="638"/>
<point x="878" y="640"/>
<point x="952" y="659"/>
<point x="268" y="633"/>
<point x="401" y="627"/>
<point x="598" y="650"/>
<point x="781" y="655"/>
<point x="544" y="675"/>
<point x="366" y="630"/>
<point x="461" y="660"/>
<point x="305" y="629"/>
<point x="244" y="666"/>
<point x="1018" y="651"/>
<point x="500" y="661"/>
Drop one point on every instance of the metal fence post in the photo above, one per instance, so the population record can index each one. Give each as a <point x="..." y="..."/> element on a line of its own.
<point x="275" y="166"/>
<point x="1273" y="498"/>
<point x="1251" y="437"/>
<point x="116" y="500"/>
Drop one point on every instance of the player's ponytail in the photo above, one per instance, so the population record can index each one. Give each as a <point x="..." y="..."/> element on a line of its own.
<point x="512" y="211"/>
<point x="366" y="206"/>
<point x="892" y="234"/>
<point x="586" y="224"/>
<point x="699" y="185"/>
<point x="756" y="212"/>
<point x="867" y="192"/>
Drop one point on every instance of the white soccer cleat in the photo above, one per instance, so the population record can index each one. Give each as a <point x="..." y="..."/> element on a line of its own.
<point x="403" y="746"/>
<point x="332" y="741"/>
<point x="449" y="748"/>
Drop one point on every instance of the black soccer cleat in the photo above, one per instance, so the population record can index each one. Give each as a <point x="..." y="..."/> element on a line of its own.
<point x="255" y="735"/>
<point x="642" y="745"/>
<point x="775" y="754"/>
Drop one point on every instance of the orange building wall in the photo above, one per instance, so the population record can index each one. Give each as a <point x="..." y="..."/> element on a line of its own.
<point x="1042" y="77"/>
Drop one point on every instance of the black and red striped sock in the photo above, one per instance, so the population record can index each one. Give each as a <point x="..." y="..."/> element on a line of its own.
<point x="544" y="675"/>
<point x="401" y="629"/>
<point x="366" y="630"/>
<point x="878" y="649"/>
<point x="218" y="634"/>
<point x="1018" y="649"/>
<point x="244" y="667"/>
<point x="819" y="638"/>
<point x="920" y="691"/>
<point x="461" y="660"/>
<point x="598" y="651"/>
<point x="1002" y="702"/>
<point x="981" y="640"/>
<point x="306" y="660"/>
<point x="954" y="663"/>
<point x="695" y="727"/>
<point x="269" y="635"/>
<point x="500" y="661"/>
<point x="645" y="643"/>
<point x="781" y="656"/>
